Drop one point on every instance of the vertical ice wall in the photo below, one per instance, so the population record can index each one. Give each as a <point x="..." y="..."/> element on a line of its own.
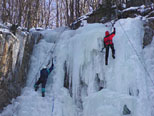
<point x="123" y="80"/>
<point x="96" y="89"/>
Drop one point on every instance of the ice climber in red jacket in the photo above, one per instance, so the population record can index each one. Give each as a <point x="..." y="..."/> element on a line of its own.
<point x="108" y="43"/>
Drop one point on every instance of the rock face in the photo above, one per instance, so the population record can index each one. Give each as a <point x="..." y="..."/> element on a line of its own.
<point x="104" y="14"/>
<point x="134" y="3"/>
<point x="100" y="16"/>
<point x="15" y="52"/>
<point x="101" y="13"/>
<point x="149" y="31"/>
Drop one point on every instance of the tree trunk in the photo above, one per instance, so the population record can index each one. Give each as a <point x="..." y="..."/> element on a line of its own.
<point x="67" y="15"/>
<point x="4" y="11"/>
<point x="71" y="11"/>
<point x="57" y="14"/>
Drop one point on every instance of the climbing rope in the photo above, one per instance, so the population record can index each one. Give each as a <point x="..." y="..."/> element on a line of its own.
<point x="53" y="104"/>
<point x="142" y="63"/>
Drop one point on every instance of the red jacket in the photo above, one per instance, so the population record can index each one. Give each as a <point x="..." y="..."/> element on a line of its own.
<point x="108" y="37"/>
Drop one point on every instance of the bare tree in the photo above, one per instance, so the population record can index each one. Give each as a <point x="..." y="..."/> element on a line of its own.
<point x="57" y="14"/>
<point x="51" y="13"/>
<point x="4" y="15"/>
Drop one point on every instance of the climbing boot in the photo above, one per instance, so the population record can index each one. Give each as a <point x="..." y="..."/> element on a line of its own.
<point x="113" y="56"/>
<point x="36" y="87"/>
<point x="43" y="94"/>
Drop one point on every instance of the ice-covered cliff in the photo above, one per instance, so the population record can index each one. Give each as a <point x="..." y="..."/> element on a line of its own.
<point x="15" y="52"/>
<point x="81" y="84"/>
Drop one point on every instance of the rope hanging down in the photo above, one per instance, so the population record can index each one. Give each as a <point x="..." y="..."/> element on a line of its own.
<point x="52" y="104"/>
<point x="142" y="63"/>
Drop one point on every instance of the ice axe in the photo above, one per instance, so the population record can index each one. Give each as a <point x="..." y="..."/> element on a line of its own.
<point x="102" y="49"/>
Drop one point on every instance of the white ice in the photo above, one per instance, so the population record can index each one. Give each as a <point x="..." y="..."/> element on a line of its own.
<point x="124" y="79"/>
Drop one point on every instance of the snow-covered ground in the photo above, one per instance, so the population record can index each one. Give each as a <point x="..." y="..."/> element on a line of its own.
<point x="124" y="80"/>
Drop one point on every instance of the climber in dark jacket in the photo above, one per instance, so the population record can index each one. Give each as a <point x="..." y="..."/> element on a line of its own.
<point x="108" y="43"/>
<point x="44" y="73"/>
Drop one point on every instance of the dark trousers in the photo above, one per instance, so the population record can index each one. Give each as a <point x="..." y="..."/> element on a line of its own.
<point x="41" y="81"/>
<point x="107" y="52"/>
